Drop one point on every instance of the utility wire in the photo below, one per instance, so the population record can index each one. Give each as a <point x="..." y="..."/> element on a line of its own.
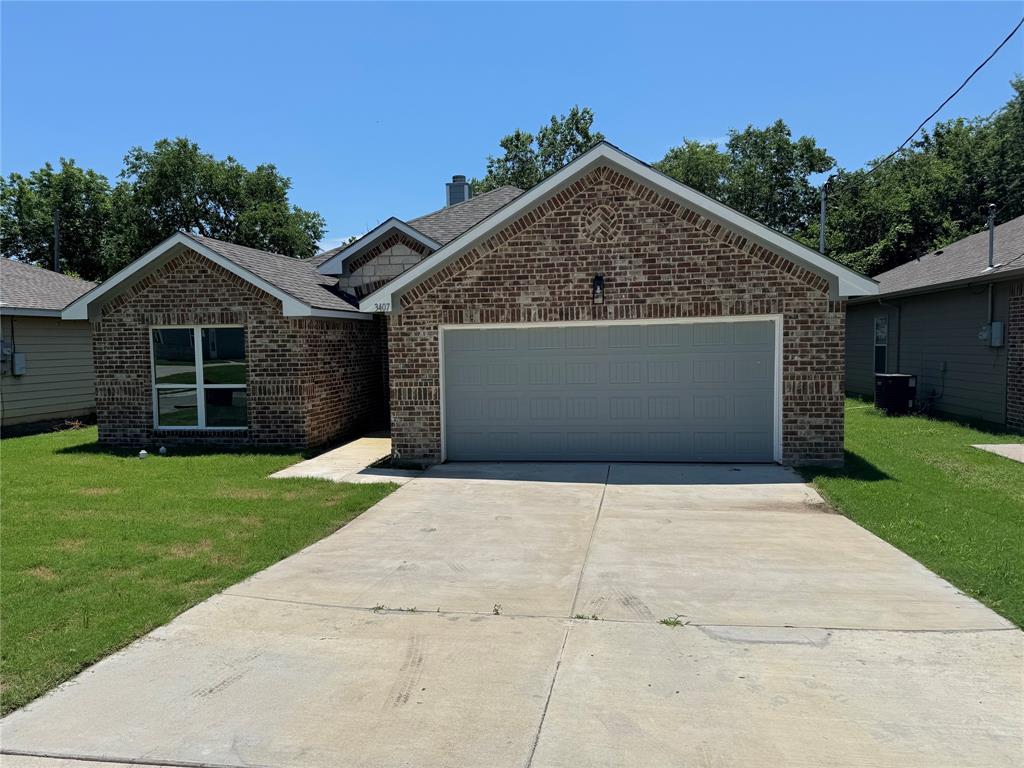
<point x="951" y="96"/>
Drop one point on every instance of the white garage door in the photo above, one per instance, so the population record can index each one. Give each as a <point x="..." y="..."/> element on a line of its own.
<point x="673" y="391"/>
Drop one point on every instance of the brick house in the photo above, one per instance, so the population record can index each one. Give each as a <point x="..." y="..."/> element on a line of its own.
<point x="609" y="313"/>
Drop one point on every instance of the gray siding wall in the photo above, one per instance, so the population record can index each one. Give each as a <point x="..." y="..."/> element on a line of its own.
<point x="928" y="331"/>
<point x="58" y="381"/>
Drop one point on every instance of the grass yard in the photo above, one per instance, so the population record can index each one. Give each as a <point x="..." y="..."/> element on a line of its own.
<point x="917" y="483"/>
<point x="99" y="548"/>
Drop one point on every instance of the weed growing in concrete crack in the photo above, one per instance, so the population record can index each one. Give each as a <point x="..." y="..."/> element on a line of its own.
<point x="496" y="610"/>
<point x="673" y="621"/>
<point x="379" y="607"/>
<point x="584" y="617"/>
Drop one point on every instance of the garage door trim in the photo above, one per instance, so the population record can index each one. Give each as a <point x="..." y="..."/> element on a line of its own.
<point x="776" y="321"/>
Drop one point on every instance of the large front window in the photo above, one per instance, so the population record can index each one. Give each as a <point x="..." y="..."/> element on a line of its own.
<point x="199" y="377"/>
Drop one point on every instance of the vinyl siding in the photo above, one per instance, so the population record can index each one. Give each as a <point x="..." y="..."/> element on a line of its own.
<point x="58" y="378"/>
<point x="860" y="347"/>
<point x="927" y="331"/>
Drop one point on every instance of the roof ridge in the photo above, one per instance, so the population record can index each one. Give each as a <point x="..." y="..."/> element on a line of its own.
<point x="290" y="259"/>
<point x="474" y="198"/>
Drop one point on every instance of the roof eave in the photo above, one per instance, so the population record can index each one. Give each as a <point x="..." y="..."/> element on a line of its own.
<point x="844" y="282"/>
<point x="982" y="279"/>
<point x="28" y="312"/>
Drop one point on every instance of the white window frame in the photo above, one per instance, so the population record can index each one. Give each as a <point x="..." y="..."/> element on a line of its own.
<point x="199" y="386"/>
<point x="876" y="345"/>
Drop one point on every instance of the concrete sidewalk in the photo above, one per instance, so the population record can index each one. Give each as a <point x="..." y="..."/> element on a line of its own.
<point x="351" y="463"/>
<point x="1014" y="451"/>
<point x="510" y="615"/>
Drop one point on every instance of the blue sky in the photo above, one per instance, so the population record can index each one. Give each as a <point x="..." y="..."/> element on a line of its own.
<point x="369" y="108"/>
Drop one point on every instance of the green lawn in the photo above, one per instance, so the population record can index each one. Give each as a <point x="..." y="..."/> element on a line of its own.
<point x="99" y="548"/>
<point x="917" y="483"/>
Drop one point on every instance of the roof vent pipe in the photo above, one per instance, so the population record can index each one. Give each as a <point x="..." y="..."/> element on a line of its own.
<point x="457" y="191"/>
<point x="991" y="234"/>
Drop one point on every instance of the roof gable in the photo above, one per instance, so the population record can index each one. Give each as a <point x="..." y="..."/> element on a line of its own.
<point x="296" y="283"/>
<point x="843" y="282"/>
<point x="335" y="264"/>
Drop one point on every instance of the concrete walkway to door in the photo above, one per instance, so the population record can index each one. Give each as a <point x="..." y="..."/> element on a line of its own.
<point x="510" y="615"/>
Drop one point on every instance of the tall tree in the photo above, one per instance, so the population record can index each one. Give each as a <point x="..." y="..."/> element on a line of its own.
<point x="934" y="192"/>
<point x="177" y="186"/>
<point x="80" y="201"/>
<point x="700" y="165"/>
<point x="762" y="172"/>
<point x="768" y="177"/>
<point x="528" y="159"/>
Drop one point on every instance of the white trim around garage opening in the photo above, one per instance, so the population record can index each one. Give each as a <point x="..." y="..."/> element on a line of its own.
<point x="776" y="320"/>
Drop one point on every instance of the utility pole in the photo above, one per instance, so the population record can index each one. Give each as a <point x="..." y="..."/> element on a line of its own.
<point x="56" y="239"/>
<point x="821" y="222"/>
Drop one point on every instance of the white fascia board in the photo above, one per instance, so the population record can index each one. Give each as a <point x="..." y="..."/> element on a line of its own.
<point x="845" y="282"/>
<point x="335" y="264"/>
<point x="337" y="313"/>
<point x="79" y="309"/>
<point x="28" y="312"/>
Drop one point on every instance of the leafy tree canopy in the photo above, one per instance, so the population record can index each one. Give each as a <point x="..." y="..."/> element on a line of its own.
<point x="934" y="192"/>
<point x="528" y="159"/>
<point x="79" y="198"/>
<point x="173" y="186"/>
<point x="177" y="186"/>
<point x="762" y="172"/>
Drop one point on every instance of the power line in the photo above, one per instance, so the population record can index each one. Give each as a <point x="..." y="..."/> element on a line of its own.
<point x="949" y="98"/>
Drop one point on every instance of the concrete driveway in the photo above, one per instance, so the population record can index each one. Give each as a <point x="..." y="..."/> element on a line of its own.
<point x="798" y="639"/>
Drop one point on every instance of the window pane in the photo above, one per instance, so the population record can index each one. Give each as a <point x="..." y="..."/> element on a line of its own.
<point x="880" y="355"/>
<point x="177" y="408"/>
<point x="882" y="329"/>
<point x="225" y="407"/>
<point x="223" y="356"/>
<point x="174" y="356"/>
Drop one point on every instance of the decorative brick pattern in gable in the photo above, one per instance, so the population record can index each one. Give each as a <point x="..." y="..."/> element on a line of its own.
<point x="310" y="380"/>
<point x="663" y="261"/>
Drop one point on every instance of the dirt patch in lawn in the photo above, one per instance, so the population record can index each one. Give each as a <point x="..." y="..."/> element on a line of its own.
<point x="42" y="573"/>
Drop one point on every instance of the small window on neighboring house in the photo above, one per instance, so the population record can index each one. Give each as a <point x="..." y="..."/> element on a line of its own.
<point x="199" y="378"/>
<point x="881" y="343"/>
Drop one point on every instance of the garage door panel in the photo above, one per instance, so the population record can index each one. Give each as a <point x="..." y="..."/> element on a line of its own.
<point x="632" y="393"/>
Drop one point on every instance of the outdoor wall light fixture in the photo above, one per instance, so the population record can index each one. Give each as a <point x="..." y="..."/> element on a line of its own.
<point x="598" y="289"/>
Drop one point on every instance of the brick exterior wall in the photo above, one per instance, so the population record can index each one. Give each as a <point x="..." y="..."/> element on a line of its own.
<point x="660" y="260"/>
<point x="310" y="380"/>
<point x="1015" y="358"/>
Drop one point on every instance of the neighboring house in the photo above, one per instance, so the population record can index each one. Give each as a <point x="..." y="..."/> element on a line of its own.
<point x="954" y="322"/>
<point x="47" y="374"/>
<point x="609" y="313"/>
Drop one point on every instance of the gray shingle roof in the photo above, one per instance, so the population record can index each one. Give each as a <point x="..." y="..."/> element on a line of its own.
<point x="296" y="277"/>
<point x="963" y="260"/>
<point x="448" y="223"/>
<point x="24" y="286"/>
